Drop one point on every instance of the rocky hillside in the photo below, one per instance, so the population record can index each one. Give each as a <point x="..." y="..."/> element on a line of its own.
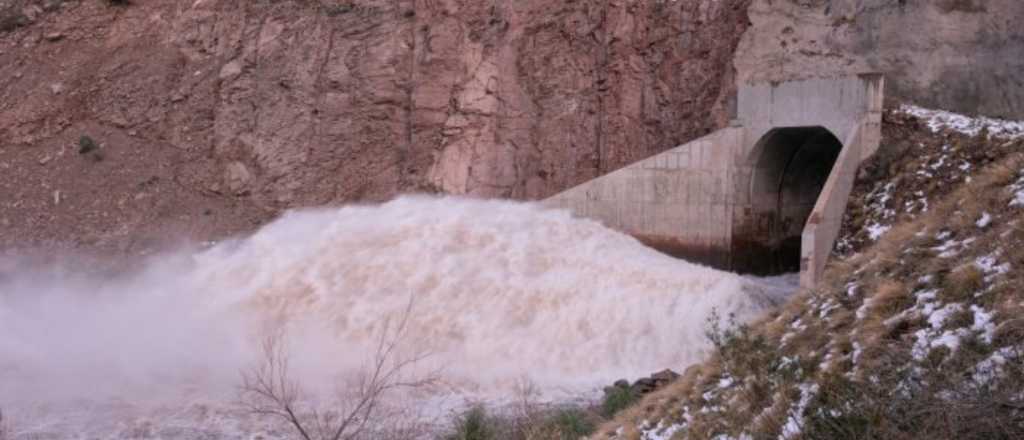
<point x="916" y="333"/>
<point x="210" y="116"/>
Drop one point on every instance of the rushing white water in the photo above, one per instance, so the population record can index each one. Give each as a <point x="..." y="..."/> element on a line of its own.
<point x="499" y="291"/>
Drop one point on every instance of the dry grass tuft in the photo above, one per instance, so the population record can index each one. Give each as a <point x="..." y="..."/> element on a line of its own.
<point x="890" y="250"/>
<point x="961" y="284"/>
<point x="1009" y="332"/>
<point x="960" y="319"/>
<point x="890" y="297"/>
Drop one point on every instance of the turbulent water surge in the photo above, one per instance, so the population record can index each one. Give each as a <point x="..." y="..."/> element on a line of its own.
<point x="497" y="292"/>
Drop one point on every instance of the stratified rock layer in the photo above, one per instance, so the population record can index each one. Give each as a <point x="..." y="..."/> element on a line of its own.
<point x="248" y="108"/>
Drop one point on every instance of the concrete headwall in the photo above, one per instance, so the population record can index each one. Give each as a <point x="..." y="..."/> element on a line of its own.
<point x="740" y="198"/>
<point x="770" y="235"/>
<point x="836" y="104"/>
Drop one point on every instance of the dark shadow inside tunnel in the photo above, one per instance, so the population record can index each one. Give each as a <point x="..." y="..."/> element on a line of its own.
<point x="791" y="165"/>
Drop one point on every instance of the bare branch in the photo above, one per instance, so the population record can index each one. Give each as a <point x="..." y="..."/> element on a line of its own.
<point x="268" y="389"/>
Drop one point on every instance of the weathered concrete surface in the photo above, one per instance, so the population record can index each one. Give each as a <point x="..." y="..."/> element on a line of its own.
<point x="961" y="55"/>
<point x="766" y="230"/>
<point x="788" y="168"/>
<point x="825" y="221"/>
<point x="680" y="200"/>
<point x="740" y="198"/>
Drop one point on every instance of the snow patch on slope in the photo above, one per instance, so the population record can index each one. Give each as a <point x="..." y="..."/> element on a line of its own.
<point x="937" y="120"/>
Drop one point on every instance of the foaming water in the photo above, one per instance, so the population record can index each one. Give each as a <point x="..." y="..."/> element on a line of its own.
<point x="498" y="292"/>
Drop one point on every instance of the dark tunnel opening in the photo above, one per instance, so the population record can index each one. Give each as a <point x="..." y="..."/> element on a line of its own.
<point x="791" y="168"/>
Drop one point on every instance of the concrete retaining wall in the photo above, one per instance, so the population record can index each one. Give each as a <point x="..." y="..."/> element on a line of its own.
<point x="717" y="200"/>
<point x="680" y="201"/>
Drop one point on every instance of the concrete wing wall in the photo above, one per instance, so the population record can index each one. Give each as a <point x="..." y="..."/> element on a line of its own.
<point x="680" y="201"/>
<point x="826" y="220"/>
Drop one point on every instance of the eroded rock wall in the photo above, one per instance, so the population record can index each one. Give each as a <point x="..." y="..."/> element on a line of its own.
<point x="961" y="55"/>
<point x="214" y="115"/>
<point x="523" y="99"/>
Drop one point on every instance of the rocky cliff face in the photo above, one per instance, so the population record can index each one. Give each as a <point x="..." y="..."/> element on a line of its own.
<point x="215" y="115"/>
<point x="962" y="55"/>
<point x="241" y="109"/>
<point x="522" y="99"/>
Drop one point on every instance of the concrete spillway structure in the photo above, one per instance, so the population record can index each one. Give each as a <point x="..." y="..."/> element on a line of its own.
<point x="765" y="195"/>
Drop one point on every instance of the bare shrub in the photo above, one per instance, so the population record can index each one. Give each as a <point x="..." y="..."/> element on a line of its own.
<point x="743" y="351"/>
<point x="526" y="419"/>
<point x="268" y="389"/>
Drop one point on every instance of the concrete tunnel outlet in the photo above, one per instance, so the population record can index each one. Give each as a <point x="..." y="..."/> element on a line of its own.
<point x="792" y="165"/>
<point x="764" y="195"/>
